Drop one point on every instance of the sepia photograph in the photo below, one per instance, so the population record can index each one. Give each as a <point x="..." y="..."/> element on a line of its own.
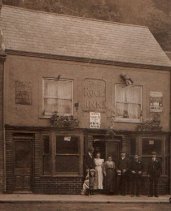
<point x="85" y="105"/>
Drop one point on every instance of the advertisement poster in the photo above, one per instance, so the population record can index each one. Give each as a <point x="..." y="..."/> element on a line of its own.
<point x="156" y="102"/>
<point x="95" y="120"/>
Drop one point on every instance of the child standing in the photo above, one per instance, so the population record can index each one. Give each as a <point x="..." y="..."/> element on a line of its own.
<point x="88" y="185"/>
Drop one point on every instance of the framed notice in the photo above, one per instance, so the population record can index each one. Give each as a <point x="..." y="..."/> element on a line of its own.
<point x="95" y="120"/>
<point x="156" y="101"/>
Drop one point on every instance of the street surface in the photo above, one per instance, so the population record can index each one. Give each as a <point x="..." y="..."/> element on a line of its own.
<point x="54" y="206"/>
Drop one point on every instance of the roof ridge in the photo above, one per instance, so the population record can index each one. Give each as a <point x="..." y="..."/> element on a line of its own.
<point x="73" y="16"/>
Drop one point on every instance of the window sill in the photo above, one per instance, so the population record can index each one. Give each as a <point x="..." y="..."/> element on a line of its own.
<point x="162" y="175"/>
<point x="63" y="175"/>
<point x="127" y="120"/>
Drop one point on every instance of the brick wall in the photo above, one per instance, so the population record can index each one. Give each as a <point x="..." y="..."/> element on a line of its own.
<point x="59" y="185"/>
<point x="55" y="184"/>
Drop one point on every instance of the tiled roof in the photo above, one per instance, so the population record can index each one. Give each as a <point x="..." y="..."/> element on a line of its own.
<point x="54" y="34"/>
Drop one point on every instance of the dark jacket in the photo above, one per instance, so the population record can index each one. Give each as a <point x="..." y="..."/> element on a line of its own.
<point x="89" y="162"/>
<point x="123" y="164"/>
<point x="154" y="168"/>
<point x="136" y="166"/>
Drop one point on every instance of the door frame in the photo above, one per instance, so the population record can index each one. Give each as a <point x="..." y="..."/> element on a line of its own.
<point x="24" y="137"/>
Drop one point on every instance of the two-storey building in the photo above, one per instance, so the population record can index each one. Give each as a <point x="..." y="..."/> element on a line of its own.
<point x="68" y="83"/>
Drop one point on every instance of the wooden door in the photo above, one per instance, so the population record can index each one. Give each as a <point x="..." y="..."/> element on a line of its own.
<point x="23" y="164"/>
<point x="113" y="149"/>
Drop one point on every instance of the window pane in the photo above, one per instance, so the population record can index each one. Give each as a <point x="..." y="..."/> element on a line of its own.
<point x="58" y="96"/>
<point x="50" y="89"/>
<point x="120" y="107"/>
<point x="67" y="163"/>
<point x="134" y="111"/>
<point x="65" y="107"/>
<point x="67" y="145"/>
<point x="65" y="90"/>
<point x="120" y="93"/>
<point x="50" y="105"/>
<point x="128" y="101"/>
<point x="150" y="145"/>
<point x="46" y="149"/>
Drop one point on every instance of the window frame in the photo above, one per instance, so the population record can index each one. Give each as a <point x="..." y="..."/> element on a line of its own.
<point x="122" y="119"/>
<point x="163" y="154"/>
<point x="52" y="135"/>
<point x="44" y="114"/>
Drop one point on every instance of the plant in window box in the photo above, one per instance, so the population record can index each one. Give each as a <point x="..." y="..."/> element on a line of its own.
<point x="63" y="121"/>
<point x="150" y="125"/>
<point x="125" y="114"/>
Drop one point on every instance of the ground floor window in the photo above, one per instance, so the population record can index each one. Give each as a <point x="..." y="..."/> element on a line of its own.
<point x="61" y="154"/>
<point x="160" y="145"/>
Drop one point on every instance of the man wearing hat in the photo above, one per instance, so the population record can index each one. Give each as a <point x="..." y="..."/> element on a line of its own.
<point x="136" y="170"/>
<point x="122" y="173"/>
<point x="89" y="159"/>
<point x="154" y="172"/>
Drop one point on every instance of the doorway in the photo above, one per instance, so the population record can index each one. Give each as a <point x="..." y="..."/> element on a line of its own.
<point x="107" y="147"/>
<point x="23" y="157"/>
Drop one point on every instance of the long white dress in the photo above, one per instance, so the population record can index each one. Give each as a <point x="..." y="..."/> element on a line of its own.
<point x="99" y="173"/>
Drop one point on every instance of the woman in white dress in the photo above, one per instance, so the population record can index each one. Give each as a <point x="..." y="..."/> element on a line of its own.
<point x="99" y="172"/>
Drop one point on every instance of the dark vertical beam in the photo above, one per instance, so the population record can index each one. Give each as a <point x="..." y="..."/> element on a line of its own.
<point x="2" y="179"/>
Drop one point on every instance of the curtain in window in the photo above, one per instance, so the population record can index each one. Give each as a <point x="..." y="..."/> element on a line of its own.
<point x="128" y="101"/>
<point x="120" y="100"/>
<point x="133" y="97"/>
<point x="58" y="97"/>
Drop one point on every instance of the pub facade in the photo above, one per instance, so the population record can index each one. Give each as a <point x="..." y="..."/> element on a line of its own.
<point x="70" y="83"/>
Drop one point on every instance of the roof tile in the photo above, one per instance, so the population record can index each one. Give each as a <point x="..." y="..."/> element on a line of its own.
<point x="48" y="33"/>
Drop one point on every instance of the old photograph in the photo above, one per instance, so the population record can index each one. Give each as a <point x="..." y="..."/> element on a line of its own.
<point x="85" y="105"/>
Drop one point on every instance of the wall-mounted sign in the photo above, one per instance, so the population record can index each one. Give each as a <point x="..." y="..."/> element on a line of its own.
<point x="23" y="92"/>
<point x="156" y="101"/>
<point x="151" y="142"/>
<point x="67" y="138"/>
<point x="94" y="95"/>
<point x="95" y="120"/>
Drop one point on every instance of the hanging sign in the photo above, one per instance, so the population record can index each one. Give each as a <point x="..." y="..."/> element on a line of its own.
<point x="67" y="138"/>
<point x="95" y="120"/>
<point x="156" y="101"/>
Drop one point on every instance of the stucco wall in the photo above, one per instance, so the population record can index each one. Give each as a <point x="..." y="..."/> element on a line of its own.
<point x="32" y="70"/>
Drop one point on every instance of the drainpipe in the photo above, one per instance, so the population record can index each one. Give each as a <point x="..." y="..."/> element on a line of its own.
<point x="2" y="61"/>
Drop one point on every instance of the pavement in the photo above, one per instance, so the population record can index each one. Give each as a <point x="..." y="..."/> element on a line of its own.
<point x="44" y="198"/>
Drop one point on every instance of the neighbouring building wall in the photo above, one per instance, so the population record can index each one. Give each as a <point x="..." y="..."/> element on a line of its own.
<point x="93" y="89"/>
<point x="1" y="124"/>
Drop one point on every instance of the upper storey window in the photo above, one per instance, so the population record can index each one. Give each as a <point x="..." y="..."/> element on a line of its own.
<point x="128" y="103"/>
<point x="57" y="96"/>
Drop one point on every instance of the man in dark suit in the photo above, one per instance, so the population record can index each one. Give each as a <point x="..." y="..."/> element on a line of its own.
<point x="136" y="170"/>
<point x="122" y="170"/>
<point x="154" y="172"/>
<point x="89" y="159"/>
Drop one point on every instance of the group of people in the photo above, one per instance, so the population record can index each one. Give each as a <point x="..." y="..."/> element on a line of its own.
<point x="106" y="176"/>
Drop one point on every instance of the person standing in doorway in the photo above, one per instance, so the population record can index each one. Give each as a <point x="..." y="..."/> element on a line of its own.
<point x="154" y="172"/>
<point x="136" y="170"/>
<point x="89" y="160"/>
<point x="110" y="175"/>
<point x="99" y="172"/>
<point x="122" y="170"/>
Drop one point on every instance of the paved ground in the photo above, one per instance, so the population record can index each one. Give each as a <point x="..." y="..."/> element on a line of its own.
<point x="54" y="206"/>
<point x="42" y="202"/>
<point x="79" y="198"/>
